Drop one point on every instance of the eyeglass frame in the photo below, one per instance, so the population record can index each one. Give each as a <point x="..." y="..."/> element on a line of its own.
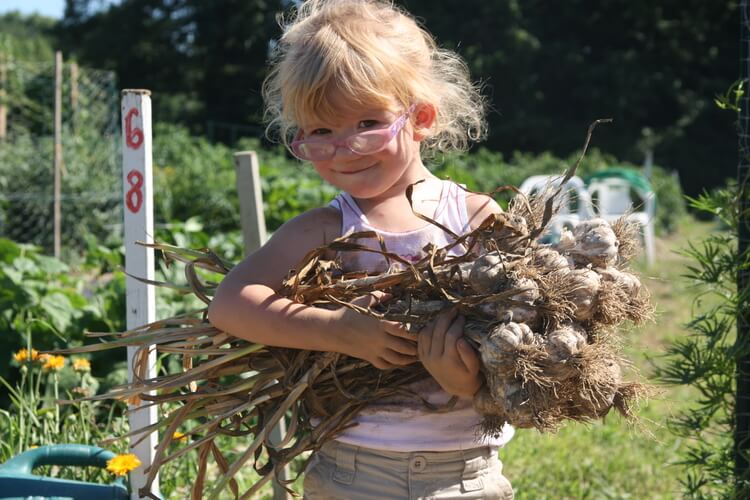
<point x="390" y="131"/>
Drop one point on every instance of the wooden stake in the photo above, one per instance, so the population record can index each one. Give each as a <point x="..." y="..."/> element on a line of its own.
<point x="74" y="92"/>
<point x="3" y="97"/>
<point x="58" y="152"/>
<point x="251" y="200"/>
<point x="253" y="224"/>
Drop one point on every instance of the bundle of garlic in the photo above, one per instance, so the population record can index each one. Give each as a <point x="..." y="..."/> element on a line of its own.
<point x="542" y="317"/>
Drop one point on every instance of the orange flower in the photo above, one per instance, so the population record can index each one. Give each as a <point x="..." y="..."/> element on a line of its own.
<point x="120" y="465"/>
<point x="179" y="436"/>
<point x="23" y="355"/>
<point x="55" y="363"/>
<point x="81" y="365"/>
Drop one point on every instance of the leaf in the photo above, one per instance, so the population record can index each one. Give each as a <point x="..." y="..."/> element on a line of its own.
<point x="8" y="250"/>
<point x="25" y="265"/>
<point x="59" y="310"/>
<point x="50" y="265"/>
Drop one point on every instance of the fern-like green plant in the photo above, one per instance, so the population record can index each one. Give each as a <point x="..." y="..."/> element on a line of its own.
<point x="706" y="359"/>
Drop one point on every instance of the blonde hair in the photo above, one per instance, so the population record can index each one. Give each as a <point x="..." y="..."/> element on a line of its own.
<point x="371" y="53"/>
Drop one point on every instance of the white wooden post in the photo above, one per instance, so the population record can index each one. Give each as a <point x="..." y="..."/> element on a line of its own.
<point x="252" y="220"/>
<point x="253" y="224"/>
<point x="139" y="260"/>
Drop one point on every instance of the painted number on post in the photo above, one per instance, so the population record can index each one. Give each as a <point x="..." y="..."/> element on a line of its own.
<point x="133" y="136"/>
<point x="134" y="196"/>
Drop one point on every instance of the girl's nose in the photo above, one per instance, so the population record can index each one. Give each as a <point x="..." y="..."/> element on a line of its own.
<point x="343" y="151"/>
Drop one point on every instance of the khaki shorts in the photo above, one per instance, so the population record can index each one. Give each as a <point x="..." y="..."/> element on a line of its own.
<point x="343" y="472"/>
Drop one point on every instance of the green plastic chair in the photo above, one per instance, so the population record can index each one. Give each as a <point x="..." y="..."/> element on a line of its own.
<point x="18" y="482"/>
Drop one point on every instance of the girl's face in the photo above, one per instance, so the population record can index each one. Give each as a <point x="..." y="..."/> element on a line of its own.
<point x="380" y="174"/>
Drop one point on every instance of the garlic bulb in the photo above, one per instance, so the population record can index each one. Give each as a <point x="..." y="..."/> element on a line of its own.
<point x="487" y="273"/>
<point x="564" y="342"/>
<point x="548" y="260"/>
<point x="504" y="339"/>
<point x="528" y="295"/>
<point x="510" y="236"/>
<point x="595" y="243"/>
<point x="629" y="283"/>
<point x="584" y="286"/>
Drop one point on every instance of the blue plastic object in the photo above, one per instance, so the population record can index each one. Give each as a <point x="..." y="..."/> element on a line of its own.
<point x="18" y="482"/>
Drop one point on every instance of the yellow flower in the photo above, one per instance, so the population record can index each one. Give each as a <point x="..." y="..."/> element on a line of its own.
<point x="23" y="355"/>
<point x="179" y="436"/>
<point x="31" y="447"/>
<point x="122" y="464"/>
<point x="81" y="365"/>
<point x="53" y="362"/>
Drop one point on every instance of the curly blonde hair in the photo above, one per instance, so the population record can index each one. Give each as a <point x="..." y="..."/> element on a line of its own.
<point x="372" y="53"/>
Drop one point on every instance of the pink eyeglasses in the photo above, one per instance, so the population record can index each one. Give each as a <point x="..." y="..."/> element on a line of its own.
<point x="361" y="143"/>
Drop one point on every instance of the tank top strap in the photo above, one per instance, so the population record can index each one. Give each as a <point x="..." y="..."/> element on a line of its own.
<point x="451" y="211"/>
<point x="352" y="218"/>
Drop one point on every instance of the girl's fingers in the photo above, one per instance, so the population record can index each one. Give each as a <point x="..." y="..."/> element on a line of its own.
<point x="383" y="364"/>
<point x="455" y="332"/>
<point x="377" y="297"/>
<point x="442" y="324"/>
<point x="371" y="299"/>
<point x="397" y="359"/>
<point x="424" y="343"/>
<point x="468" y="355"/>
<point x="403" y="346"/>
<point x="398" y="330"/>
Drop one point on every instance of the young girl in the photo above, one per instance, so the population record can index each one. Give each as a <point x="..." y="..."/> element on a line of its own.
<point x="359" y="90"/>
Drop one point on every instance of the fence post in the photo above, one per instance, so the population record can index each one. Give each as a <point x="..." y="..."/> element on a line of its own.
<point x="3" y="96"/>
<point x="57" y="153"/>
<point x="139" y="260"/>
<point x="253" y="224"/>
<point x="74" y="96"/>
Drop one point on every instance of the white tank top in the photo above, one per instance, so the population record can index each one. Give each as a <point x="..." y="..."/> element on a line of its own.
<point x="403" y="423"/>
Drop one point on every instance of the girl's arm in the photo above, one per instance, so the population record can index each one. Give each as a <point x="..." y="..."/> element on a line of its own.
<point x="247" y="306"/>
<point x="479" y="207"/>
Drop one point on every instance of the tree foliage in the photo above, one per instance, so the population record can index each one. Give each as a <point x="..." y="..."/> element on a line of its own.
<point x="552" y="68"/>
<point x="26" y="38"/>
<point x="204" y="59"/>
<point x="548" y="68"/>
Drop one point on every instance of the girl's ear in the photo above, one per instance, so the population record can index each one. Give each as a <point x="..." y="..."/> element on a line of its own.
<point x="424" y="118"/>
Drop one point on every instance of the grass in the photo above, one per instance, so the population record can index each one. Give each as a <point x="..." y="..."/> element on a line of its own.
<point x="613" y="458"/>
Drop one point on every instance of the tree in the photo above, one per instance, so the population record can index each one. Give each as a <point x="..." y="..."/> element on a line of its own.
<point x="552" y="68"/>
<point x="204" y="59"/>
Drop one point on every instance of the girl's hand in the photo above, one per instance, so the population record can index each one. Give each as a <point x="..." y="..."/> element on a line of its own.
<point x="449" y="358"/>
<point x="385" y="344"/>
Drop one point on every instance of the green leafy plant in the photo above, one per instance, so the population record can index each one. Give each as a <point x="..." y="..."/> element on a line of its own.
<point x="44" y="299"/>
<point x="706" y="358"/>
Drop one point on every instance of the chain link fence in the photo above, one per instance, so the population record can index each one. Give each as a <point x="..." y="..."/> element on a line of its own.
<point x="90" y="177"/>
